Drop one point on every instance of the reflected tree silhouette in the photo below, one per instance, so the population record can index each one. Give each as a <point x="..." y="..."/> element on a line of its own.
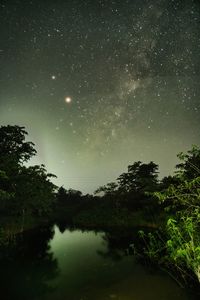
<point x="118" y="245"/>
<point x="27" y="266"/>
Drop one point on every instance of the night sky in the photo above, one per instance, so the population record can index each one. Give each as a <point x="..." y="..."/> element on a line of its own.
<point x="101" y="84"/>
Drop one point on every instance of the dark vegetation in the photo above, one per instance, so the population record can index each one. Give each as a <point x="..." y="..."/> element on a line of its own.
<point x="17" y="279"/>
<point x="26" y="192"/>
<point x="137" y="199"/>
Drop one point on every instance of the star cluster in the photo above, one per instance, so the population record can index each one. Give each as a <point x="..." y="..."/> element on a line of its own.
<point x="100" y="84"/>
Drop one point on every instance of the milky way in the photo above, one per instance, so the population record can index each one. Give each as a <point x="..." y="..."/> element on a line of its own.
<point x="101" y="84"/>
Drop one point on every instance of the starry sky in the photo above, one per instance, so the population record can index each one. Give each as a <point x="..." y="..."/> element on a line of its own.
<point x="100" y="84"/>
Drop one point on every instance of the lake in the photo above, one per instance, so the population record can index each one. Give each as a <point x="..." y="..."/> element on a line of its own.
<point x="61" y="264"/>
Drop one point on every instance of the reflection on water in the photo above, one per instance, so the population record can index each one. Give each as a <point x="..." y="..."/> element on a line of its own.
<point x="49" y="265"/>
<point x="27" y="266"/>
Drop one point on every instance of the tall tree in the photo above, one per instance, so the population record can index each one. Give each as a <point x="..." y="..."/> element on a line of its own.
<point x="189" y="168"/>
<point x="140" y="177"/>
<point x="23" y="190"/>
<point x="13" y="146"/>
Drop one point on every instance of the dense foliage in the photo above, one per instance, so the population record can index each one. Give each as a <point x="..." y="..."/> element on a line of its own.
<point x="177" y="245"/>
<point x="23" y="190"/>
<point x="136" y="198"/>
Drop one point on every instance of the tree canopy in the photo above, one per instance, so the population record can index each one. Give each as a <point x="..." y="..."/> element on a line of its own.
<point x="22" y="189"/>
<point x="13" y="145"/>
<point x="140" y="177"/>
<point x="189" y="167"/>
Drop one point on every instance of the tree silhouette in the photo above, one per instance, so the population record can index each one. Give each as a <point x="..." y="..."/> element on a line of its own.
<point x="189" y="168"/>
<point x="23" y="190"/>
<point x="140" y="178"/>
<point x="28" y="266"/>
<point x="13" y="146"/>
<point x="109" y="189"/>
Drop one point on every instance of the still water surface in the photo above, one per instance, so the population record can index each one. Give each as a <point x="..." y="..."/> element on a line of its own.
<point x="76" y="265"/>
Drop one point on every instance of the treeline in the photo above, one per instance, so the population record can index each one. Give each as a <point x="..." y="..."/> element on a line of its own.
<point x="24" y="190"/>
<point x="27" y="191"/>
<point x="136" y="198"/>
<point x="126" y="202"/>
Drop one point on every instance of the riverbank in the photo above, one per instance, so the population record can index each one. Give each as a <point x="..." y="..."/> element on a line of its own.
<point x="47" y="263"/>
<point x="120" y="226"/>
<point x="13" y="225"/>
<point x="91" y="219"/>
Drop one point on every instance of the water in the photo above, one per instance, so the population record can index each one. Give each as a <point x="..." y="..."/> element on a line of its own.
<point x="49" y="265"/>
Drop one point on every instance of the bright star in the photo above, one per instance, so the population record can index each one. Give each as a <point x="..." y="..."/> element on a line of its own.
<point x="68" y="99"/>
